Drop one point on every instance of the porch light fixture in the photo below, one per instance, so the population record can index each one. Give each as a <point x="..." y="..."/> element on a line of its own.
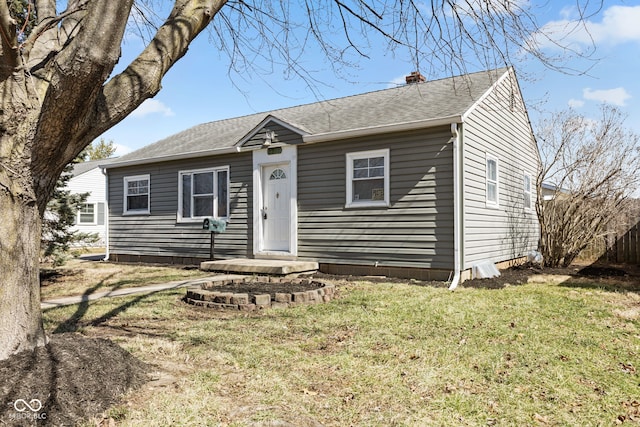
<point x="268" y="138"/>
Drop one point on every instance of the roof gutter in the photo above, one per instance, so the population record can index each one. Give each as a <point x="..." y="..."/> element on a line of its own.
<point x="191" y="155"/>
<point x="376" y="130"/>
<point x="309" y="139"/>
<point x="106" y="215"/>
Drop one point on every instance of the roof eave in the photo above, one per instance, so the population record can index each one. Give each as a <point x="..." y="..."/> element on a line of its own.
<point x="182" y="156"/>
<point x="376" y="130"/>
<point x="308" y="139"/>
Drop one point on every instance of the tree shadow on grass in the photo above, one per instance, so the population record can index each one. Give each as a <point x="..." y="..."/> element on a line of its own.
<point x="73" y="323"/>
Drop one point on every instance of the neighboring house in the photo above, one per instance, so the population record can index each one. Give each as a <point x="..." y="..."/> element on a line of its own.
<point x="550" y="191"/>
<point x="88" y="178"/>
<point x="424" y="180"/>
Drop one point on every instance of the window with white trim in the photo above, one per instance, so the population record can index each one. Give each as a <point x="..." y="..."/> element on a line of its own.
<point x="368" y="178"/>
<point x="203" y="193"/>
<point x="87" y="214"/>
<point x="493" y="189"/>
<point x="136" y="194"/>
<point x="527" y="191"/>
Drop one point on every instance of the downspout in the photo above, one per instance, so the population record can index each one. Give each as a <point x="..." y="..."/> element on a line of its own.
<point x="106" y="214"/>
<point x="457" y="214"/>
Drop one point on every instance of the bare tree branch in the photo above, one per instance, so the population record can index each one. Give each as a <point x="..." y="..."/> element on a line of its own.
<point x="594" y="167"/>
<point x="142" y="78"/>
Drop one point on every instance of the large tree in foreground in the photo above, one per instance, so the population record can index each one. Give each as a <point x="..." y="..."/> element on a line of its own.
<point x="58" y="91"/>
<point x="590" y="168"/>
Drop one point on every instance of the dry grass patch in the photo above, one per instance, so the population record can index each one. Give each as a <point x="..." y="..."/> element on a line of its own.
<point x="78" y="277"/>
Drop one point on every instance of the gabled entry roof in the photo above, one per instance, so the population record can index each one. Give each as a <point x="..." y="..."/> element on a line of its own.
<point x="271" y="120"/>
<point x="443" y="99"/>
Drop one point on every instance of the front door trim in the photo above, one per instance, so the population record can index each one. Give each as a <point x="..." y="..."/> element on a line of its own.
<point x="289" y="156"/>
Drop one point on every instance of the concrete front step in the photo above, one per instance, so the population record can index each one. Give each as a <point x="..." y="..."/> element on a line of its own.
<point x="260" y="266"/>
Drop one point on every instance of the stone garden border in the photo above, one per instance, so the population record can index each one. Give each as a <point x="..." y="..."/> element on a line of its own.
<point x="201" y="295"/>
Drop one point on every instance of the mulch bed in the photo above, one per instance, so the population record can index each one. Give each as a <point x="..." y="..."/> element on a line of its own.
<point x="73" y="379"/>
<point x="621" y="277"/>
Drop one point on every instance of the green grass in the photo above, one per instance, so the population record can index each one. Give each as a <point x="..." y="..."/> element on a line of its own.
<point x="381" y="355"/>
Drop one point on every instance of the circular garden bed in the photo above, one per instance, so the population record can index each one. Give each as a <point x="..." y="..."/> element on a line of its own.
<point x="258" y="293"/>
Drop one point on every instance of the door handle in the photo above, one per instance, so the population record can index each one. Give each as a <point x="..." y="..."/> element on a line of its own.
<point x="264" y="213"/>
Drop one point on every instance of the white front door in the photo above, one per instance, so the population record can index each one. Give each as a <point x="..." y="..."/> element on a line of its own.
<point x="276" y="207"/>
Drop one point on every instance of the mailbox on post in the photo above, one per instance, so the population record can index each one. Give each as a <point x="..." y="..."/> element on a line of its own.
<point x="215" y="226"/>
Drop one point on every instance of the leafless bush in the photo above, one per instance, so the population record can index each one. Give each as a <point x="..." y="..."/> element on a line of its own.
<point x="590" y="168"/>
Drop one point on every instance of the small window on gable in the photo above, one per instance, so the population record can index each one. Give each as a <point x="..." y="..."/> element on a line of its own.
<point x="527" y="191"/>
<point x="493" y="189"/>
<point x="136" y="194"/>
<point x="203" y="193"/>
<point x="87" y="214"/>
<point x="368" y="178"/>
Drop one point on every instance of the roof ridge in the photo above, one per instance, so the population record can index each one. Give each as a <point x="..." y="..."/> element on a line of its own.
<point x="340" y="98"/>
<point x="442" y="97"/>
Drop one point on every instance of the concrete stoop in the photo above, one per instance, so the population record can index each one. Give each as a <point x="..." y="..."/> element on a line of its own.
<point x="260" y="266"/>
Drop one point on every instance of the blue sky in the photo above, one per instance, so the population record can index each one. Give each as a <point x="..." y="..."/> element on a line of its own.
<point x="199" y="88"/>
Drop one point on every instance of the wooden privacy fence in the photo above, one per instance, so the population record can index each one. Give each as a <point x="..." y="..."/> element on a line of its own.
<point x="622" y="244"/>
<point x="625" y="249"/>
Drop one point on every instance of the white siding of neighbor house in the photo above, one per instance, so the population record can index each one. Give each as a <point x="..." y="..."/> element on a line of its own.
<point x="499" y="126"/>
<point x="94" y="183"/>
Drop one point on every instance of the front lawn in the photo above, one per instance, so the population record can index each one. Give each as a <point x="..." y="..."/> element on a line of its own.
<point x="79" y="277"/>
<point x="381" y="354"/>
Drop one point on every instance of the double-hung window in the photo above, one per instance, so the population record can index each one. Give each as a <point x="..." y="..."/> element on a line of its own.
<point x="493" y="190"/>
<point x="136" y="194"/>
<point x="527" y="191"/>
<point x="203" y="193"/>
<point x="368" y="178"/>
<point x="87" y="214"/>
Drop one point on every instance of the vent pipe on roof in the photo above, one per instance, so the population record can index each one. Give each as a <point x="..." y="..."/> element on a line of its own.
<point x="415" y="77"/>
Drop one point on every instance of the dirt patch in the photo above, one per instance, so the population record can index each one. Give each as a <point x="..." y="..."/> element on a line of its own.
<point x="260" y="287"/>
<point x="616" y="277"/>
<point x="71" y="379"/>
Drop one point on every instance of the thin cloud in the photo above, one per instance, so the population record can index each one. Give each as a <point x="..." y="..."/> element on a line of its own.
<point x="152" y="106"/>
<point x="619" y="25"/>
<point x="397" y="81"/>
<point x="121" y="150"/>
<point x="576" y="103"/>
<point x="617" y="96"/>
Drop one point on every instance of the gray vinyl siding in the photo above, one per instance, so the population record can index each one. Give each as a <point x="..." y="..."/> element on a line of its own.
<point x="499" y="126"/>
<point x="415" y="231"/>
<point x="282" y="135"/>
<point x="159" y="234"/>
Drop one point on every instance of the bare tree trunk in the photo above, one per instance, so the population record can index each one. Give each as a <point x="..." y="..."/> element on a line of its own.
<point x="56" y="97"/>
<point x="20" y="315"/>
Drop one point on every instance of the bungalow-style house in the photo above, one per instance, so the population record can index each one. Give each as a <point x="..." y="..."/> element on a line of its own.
<point x="425" y="180"/>
<point x="87" y="177"/>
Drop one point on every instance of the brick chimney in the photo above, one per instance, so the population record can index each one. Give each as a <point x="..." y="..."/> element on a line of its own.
<point x="415" y="77"/>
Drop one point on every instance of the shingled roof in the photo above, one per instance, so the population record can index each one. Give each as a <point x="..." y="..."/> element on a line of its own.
<point x="84" y="167"/>
<point x="444" y="98"/>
